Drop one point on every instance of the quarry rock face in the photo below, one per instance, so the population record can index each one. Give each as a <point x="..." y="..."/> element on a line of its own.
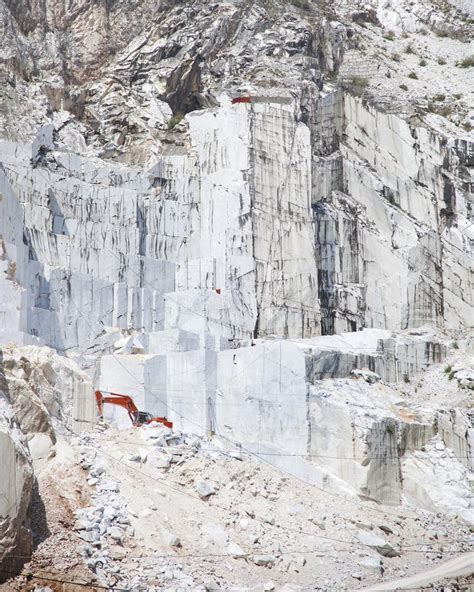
<point x="16" y="482"/>
<point x="43" y="389"/>
<point x="256" y="220"/>
<point x="390" y="223"/>
<point x="301" y="209"/>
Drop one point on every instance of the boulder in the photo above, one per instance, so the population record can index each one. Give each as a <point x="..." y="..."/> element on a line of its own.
<point x="173" y="540"/>
<point x="116" y="533"/>
<point x="236" y="551"/>
<point x="378" y="543"/>
<point x="264" y="560"/>
<point x="205" y="489"/>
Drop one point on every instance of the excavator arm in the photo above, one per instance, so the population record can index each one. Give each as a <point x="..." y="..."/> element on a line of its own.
<point x="137" y="417"/>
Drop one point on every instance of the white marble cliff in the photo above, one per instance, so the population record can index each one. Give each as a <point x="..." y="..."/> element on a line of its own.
<point x="236" y="215"/>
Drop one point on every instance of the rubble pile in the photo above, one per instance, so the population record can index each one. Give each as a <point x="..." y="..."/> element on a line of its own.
<point x="201" y="513"/>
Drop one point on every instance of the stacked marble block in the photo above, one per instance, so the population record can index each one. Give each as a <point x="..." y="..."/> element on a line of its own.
<point x="272" y="396"/>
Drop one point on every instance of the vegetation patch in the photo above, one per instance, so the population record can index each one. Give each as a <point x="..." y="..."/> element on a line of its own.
<point x="173" y="122"/>
<point x="355" y="84"/>
<point x="440" y="108"/>
<point x="300" y="3"/>
<point x="467" y="62"/>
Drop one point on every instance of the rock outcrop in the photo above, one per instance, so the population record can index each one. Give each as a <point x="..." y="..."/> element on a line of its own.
<point x="45" y="391"/>
<point x="16" y="482"/>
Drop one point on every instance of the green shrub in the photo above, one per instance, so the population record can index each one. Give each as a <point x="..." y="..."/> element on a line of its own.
<point x="467" y="62"/>
<point x="403" y="86"/>
<point x="173" y="122"/>
<point x="413" y="76"/>
<point x="455" y="345"/>
<point x="406" y="378"/>
<point x="448" y="369"/>
<point x="355" y="84"/>
<point x="441" y="61"/>
<point x="390" y="35"/>
<point x="458" y="96"/>
<point x="396" y="57"/>
<point x="443" y="109"/>
<point x="439" y="98"/>
<point x="409" y="48"/>
<point x="423" y="62"/>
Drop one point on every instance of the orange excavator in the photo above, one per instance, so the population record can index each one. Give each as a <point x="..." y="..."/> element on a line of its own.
<point x="138" y="418"/>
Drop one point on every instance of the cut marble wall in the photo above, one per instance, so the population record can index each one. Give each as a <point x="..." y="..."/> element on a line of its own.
<point x="456" y="427"/>
<point x="392" y="239"/>
<point x="97" y="246"/>
<point x="275" y="398"/>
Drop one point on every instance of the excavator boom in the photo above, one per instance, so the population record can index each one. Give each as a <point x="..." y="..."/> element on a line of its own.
<point x="137" y="417"/>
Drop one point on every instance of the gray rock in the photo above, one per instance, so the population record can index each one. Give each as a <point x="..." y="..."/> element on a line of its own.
<point x="265" y="560"/>
<point x="205" y="489"/>
<point x="162" y="462"/>
<point x="82" y="524"/>
<point x="371" y="563"/>
<point x="236" y="551"/>
<point x="366" y="374"/>
<point x="173" y="540"/>
<point x="378" y="543"/>
<point x="116" y="533"/>
<point x="319" y="523"/>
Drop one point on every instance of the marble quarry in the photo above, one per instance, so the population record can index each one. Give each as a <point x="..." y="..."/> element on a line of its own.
<point x="215" y="214"/>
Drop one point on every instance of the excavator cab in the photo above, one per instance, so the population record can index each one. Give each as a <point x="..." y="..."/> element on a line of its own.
<point x="142" y="417"/>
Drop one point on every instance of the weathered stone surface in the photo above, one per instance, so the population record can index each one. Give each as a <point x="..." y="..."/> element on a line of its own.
<point x="41" y="385"/>
<point x="16" y="481"/>
<point x="205" y="489"/>
<point x="456" y="428"/>
<point x="378" y="543"/>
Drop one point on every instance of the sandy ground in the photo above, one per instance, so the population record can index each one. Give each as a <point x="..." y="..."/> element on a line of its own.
<point x="313" y="535"/>
<point x="459" y="566"/>
<point x="61" y="488"/>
